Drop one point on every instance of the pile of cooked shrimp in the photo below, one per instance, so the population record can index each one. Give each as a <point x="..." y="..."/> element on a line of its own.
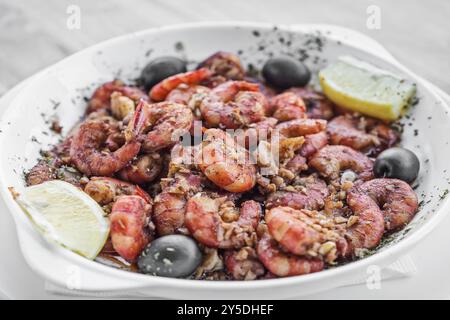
<point x="195" y="157"/>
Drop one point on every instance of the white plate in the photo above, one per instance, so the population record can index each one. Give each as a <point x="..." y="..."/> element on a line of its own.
<point x="101" y="62"/>
<point x="17" y="281"/>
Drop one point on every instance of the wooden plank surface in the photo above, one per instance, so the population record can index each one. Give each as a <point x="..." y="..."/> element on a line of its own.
<point x="33" y="33"/>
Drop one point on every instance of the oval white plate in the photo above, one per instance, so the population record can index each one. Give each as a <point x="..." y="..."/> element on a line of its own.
<point x="67" y="81"/>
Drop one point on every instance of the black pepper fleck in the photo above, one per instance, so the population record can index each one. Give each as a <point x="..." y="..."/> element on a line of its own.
<point x="179" y="46"/>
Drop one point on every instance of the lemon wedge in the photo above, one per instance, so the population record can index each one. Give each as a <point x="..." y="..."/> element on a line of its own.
<point x="66" y="215"/>
<point x="359" y="86"/>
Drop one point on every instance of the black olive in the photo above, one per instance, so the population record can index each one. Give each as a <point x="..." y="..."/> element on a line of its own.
<point x="171" y="256"/>
<point x="161" y="68"/>
<point x="285" y="72"/>
<point x="397" y="163"/>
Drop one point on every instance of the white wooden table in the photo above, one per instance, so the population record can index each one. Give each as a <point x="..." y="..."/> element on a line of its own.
<point x="33" y="34"/>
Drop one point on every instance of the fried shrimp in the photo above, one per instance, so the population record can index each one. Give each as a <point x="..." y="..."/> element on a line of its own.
<point x="306" y="232"/>
<point x="387" y="137"/>
<point x="284" y="264"/>
<point x="233" y="105"/>
<point x="106" y="190"/>
<point x="144" y="169"/>
<point x="256" y="132"/>
<point x="367" y="227"/>
<point x="160" y="125"/>
<point x="224" y="64"/>
<point x="331" y="160"/>
<point x="204" y="219"/>
<point x="243" y="264"/>
<point x="343" y="130"/>
<point x="358" y="134"/>
<point x="297" y="164"/>
<point x="190" y="95"/>
<point x="130" y="208"/>
<point x="129" y="226"/>
<point x="43" y="171"/>
<point x="287" y="106"/>
<point x="160" y="91"/>
<point x="182" y="182"/>
<point x="226" y="163"/>
<point x="300" y="127"/>
<point x="313" y="143"/>
<point x="304" y="193"/>
<point x="395" y="198"/>
<point x="170" y="204"/>
<point x="286" y="226"/>
<point x="317" y="105"/>
<point x="101" y="99"/>
<point x="89" y="153"/>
